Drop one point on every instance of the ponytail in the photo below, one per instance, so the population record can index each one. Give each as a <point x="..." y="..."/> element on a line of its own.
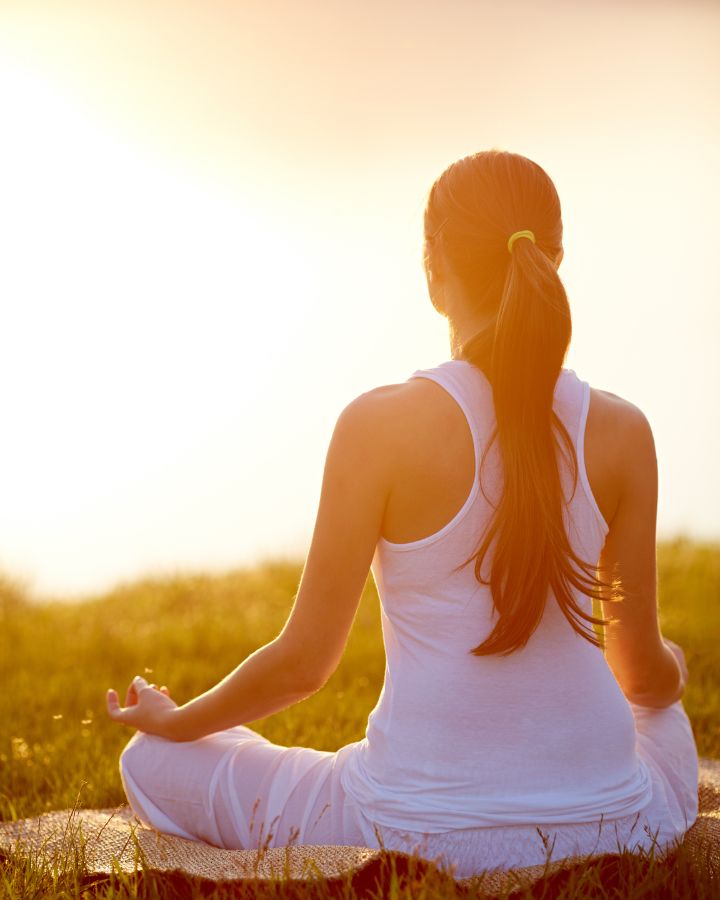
<point x="481" y="200"/>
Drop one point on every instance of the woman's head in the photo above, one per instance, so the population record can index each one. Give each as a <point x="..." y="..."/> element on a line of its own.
<point x="472" y="209"/>
<point x="516" y="327"/>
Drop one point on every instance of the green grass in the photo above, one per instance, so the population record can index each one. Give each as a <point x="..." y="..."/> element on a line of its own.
<point x="58" y="748"/>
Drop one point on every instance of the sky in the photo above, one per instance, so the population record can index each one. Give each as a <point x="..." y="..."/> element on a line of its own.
<point x="211" y="222"/>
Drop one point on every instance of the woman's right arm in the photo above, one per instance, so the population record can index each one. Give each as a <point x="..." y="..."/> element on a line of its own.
<point x="649" y="672"/>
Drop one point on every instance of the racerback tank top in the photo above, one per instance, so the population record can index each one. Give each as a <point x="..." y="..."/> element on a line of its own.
<point x="543" y="735"/>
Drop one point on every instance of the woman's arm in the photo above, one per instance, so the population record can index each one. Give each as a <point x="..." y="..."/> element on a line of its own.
<point x="648" y="670"/>
<point x="264" y="683"/>
<point x="299" y="661"/>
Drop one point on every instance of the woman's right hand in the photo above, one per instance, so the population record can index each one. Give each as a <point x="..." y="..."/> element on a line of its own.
<point x="649" y="698"/>
<point x="679" y="656"/>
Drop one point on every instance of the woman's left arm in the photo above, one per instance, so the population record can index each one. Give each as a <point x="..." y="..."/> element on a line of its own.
<point x="298" y="662"/>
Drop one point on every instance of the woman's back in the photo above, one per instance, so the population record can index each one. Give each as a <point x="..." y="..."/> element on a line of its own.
<point x="544" y="734"/>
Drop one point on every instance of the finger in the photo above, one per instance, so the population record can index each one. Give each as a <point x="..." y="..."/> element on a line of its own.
<point x="131" y="697"/>
<point x="164" y="690"/>
<point x="114" y="709"/>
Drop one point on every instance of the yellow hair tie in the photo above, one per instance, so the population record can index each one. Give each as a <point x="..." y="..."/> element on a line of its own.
<point x="519" y="234"/>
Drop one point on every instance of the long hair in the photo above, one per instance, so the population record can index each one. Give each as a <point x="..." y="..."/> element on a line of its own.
<point x="471" y="211"/>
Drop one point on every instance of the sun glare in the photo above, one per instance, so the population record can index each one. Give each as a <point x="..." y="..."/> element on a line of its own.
<point x="138" y="306"/>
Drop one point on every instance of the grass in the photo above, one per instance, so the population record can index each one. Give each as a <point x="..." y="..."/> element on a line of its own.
<point x="59" y="749"/>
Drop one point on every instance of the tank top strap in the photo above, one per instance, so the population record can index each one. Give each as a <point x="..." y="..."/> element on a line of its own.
<point x="471" y="390"/>
<point x="572" y="403"/>
<point x="569" y="399"/>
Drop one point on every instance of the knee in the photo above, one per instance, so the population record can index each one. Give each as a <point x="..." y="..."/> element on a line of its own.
<point x="132" y="752"/>
<point x="133" y="765"/>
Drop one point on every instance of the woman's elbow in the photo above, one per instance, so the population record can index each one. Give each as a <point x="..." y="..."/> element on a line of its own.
<point x="308" y="670"/>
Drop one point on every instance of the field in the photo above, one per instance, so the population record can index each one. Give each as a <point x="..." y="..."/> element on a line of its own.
<point x="58" y="748"/>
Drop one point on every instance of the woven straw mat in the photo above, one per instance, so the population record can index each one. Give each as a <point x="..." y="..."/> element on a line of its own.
<point x="98" y="841"/>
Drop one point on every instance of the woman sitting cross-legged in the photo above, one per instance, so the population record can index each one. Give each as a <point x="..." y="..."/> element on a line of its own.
<point x="493" y="497"/>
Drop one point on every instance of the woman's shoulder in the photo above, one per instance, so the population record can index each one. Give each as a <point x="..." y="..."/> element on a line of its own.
<point x="618" y="416"/>
<point x="404" y="415"/>
<point x="395" y="408"/>
<point x="619" y="442"/>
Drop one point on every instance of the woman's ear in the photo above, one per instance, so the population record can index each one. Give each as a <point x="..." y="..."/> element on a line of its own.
<point x="433" y="274"/>
<point x="437" y="294"/>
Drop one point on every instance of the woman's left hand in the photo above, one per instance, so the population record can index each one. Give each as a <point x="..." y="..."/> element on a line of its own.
<point x="147" y="707"/>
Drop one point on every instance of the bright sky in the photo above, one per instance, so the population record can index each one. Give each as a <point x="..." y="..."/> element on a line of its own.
<point x="211" y="224"/>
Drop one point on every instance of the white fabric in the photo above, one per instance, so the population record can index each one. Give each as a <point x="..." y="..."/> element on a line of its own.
<point x="464" y="757"/>
<point x="235" y="789"/>
<point x="455" y="741"/>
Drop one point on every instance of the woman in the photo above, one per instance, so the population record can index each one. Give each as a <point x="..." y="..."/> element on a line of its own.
<point x="494" y="496"/>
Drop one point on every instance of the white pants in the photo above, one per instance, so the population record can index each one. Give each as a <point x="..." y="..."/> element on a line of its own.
<point x="236" y="789"/>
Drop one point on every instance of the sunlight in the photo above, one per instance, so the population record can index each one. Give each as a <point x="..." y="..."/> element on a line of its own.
<point x="212" y="244"/>
<point x="139" y="303"/>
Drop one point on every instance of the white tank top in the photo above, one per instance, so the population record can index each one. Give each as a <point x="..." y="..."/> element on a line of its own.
<point x="544" y="735"/>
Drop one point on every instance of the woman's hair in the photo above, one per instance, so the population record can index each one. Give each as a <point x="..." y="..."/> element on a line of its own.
<point x="472" y="209"/>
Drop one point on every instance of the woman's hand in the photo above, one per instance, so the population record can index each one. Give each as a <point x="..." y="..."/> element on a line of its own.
<point x="679" y="656"/>
<point x="147" y="707"/>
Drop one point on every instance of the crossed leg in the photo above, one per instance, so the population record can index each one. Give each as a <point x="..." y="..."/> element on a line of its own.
<point x="238" y="790"/>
